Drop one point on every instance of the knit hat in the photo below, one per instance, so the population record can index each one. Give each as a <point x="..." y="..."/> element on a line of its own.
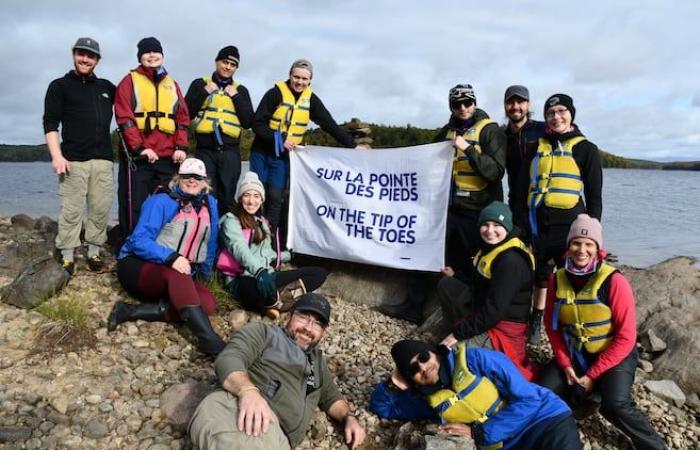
<point x="148" y="44"/>
<point x="229" y="53"/>
<point x="462" y="92"/>
<point x="516" y="91"/>
<point x="302" y="64"/>
<point x="193" y="166"/>
<point x="250" y="182"/>
<point x="89" y="44"/>
<point x="403" y="351"/>
<point x="315" y="303"/>
<point x="560" y="99"/>
<point x="586" y="226"/>
<point x="497" y="212"/>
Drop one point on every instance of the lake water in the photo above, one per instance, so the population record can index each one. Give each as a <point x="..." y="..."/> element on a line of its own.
<point x="648" y="215"/>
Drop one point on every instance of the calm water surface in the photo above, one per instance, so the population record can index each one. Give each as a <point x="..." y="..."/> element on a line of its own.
<point x="648" y="215"/>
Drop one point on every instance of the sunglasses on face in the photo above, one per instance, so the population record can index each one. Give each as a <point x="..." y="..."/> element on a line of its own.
<point x="460" y="103"/>
<point x="423" y="357"/>
<point x="190" y="176"/>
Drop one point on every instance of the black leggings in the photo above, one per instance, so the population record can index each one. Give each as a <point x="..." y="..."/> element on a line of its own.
<point x="617" y="405"/>
<point x="248" y="294"/>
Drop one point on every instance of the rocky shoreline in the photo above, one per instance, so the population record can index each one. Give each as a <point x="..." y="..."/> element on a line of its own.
<point x="128" y="389"/>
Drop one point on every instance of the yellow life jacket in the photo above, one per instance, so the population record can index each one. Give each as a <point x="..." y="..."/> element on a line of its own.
<point x="586" y="318"/>
<point x="218" y="112"/>
<point x="554" y="175"/>
<point x="466" y="179"/>
<point x="471" y="398"/>
<point x="292" y="116"/>
<point x="156" y="105"/>
<point x="483" y="262"/>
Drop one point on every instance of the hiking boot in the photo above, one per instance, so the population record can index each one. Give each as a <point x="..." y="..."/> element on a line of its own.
<point x="534" y="330"/>
<point x="407" y="311"/>
<point x="68" y="266"/>
<point x="126" y="312"/>
<point x="289" y="294"/>
<point x="95" y="263"/>
<point x="208" y="342"/>
<point x="272" y="313"/>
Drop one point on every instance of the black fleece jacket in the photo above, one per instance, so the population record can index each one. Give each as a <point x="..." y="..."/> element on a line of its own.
<point x="490" y="163"/>
<point x="587" y="159"/>
<point x="264" y="141"/>
<point x="195" y="97"/>
<point x="82" y="107"/>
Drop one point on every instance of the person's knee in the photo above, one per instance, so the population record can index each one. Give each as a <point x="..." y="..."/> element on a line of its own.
<point x="612" y="407"/>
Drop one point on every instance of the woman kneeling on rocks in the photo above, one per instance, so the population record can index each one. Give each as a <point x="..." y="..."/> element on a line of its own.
<point x="174" y="240"/>
<point x="257" y="280"/>
<point x="590" y="321"/>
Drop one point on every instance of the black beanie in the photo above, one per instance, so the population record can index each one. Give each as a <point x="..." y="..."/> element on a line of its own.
<point x="229" y="53"/>
<point x="404" y="351"/>
<point x="148" y="44"/>
<point x="560" y="99"/>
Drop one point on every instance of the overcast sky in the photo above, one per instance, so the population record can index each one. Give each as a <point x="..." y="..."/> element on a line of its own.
<point x="631" y="66"/>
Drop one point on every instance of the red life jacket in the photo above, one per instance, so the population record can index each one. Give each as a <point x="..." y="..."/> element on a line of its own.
<point x="188" y="232"/>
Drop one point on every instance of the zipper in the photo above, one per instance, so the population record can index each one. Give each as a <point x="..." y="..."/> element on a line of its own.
<point x="196" y="229"/>
<point x="182" y="238"/>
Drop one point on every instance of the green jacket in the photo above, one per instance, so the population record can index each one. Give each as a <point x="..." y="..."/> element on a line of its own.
<point x="252" y="257"/>
<point x="279" y="368"/>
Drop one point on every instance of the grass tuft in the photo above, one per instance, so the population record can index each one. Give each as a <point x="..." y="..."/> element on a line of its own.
<point x="225" y="301"/>
<point x="66" y="327"/>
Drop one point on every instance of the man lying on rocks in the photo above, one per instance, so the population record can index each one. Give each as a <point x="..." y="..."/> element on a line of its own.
<point x="474" y="392"/>
<point x="273" y="379"/>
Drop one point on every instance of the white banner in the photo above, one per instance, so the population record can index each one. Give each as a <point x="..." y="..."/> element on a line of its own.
<point x="386" y="207"/>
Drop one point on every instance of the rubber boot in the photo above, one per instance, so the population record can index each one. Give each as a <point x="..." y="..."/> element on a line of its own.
<point x="534" y="330"/>
<point x="289" y="294"/>
<point x="197" y="321"/>
<point x="125" y="312"/>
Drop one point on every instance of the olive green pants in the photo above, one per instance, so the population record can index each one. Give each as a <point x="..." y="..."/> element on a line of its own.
<point x="86" y="197"/>
<point x="213" y="426"/>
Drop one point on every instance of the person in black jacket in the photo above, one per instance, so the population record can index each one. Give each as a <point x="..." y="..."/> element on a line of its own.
<point x="220" y="108"/>
<point x="561" y="171"/>
<point x="80" y="104"/>
<point x="279" y="125"/>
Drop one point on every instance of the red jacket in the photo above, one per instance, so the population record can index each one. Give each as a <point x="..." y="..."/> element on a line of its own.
<point x="621" y="302"/>
<point x="163" y="144"/>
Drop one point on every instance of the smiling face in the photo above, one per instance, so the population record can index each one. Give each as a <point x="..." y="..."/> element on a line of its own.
<point x="251" y="202"/>
<point x="425" y="373"/>
<point x="151" y="60"/>
<point x="516" y="109"/>
<point x="305" y="328"/>
<point x="492" y="232"/>
<point x="191" y="184"/>
<point x="84" y="62"/>
<point x="226" y="68"/>
<point x="582" y="251"/>
<point x="299" y="79"/>
<point x="558" y="119"/>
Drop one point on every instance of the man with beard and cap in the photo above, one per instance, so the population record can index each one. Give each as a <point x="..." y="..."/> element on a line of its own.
<point x="522" y="133"/>
<point x="280" y="123"/>
<point x="492" y="310"/>
<point x="273" y="379"/>
<point x="152" y="115"/>
<point x="474" y="392"/>
<point x="81" y="104"/>
<point x="479" y="166"/>
<point x="221" y="109"/>
<point x="561" y="178"/>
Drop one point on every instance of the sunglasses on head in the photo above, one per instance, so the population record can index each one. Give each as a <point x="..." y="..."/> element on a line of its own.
<point x="423" y="357"/>
<point x="458" y="103"/>
<point x="189" y="176"/>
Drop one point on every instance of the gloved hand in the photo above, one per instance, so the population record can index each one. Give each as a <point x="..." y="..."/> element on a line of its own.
<point x="265" y="282"/>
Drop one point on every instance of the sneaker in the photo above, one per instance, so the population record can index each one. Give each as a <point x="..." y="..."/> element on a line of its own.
<point x="95" y="263"/>
<point x="68" y="266"/>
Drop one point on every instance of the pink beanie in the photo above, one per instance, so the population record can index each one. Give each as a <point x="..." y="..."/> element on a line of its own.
<point x="587" y="227"/>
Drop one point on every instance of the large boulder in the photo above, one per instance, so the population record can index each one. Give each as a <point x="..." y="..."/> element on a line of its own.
<point x="24" y="239"/>
<point x="179" y="401"/>
<point x="38" y="282"/>
<point x="668" y="302"/>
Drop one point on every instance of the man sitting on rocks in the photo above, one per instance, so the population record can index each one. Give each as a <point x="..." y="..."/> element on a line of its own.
<point x="273" y="378"/>
<point x="474" y="392"/>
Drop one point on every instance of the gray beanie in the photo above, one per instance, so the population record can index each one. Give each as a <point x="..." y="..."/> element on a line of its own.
<point x="250" y="182"/>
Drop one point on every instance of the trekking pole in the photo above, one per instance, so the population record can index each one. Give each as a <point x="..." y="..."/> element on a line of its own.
<point x="130" y="166"/>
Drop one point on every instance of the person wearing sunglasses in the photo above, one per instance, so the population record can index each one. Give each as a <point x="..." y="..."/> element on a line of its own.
<point x="561" y="179"/>
<point x="474" y="392"/>
<point x="273" y="378"/>
<point x="174" y="241"/>
<point x="479" y="166"/>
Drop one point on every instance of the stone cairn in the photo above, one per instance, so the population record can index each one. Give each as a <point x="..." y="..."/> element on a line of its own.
<point x="360" y="132"/>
